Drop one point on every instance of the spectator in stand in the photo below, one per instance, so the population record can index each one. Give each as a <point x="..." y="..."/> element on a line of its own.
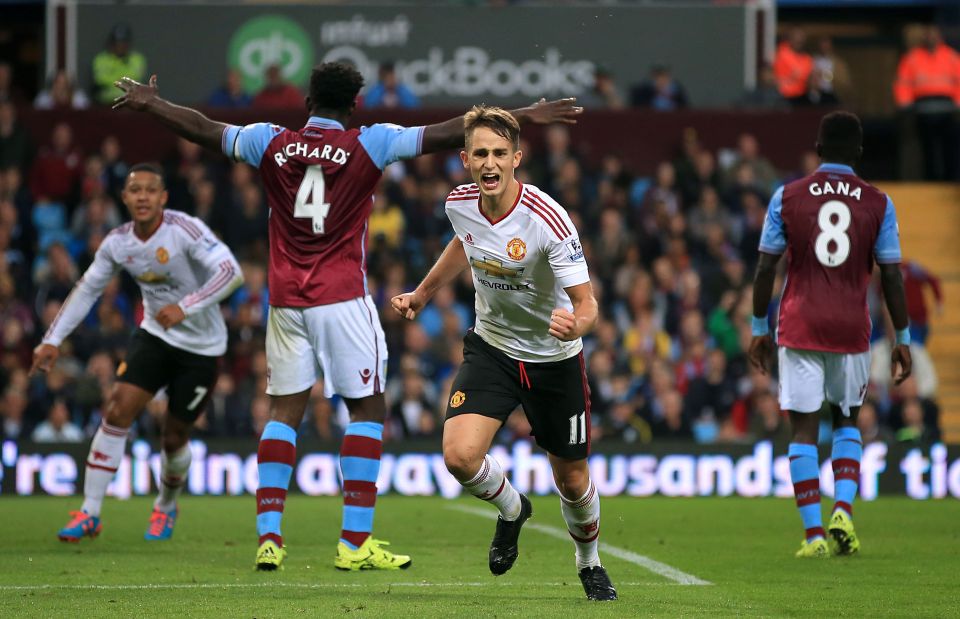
<point x="16" y="149"/>
<point x="928" y="85"/>
<point x="231" y="94"/>
<point x="766" y="94"/>
<point x="58" y="428"/>
<point x="56" y="171"/>
<point x="830" y="83"/>
<point x="61" y="94"/>
<point x="794" y="68"/>
<point x="604" y="93"/>
<point x="14" y="408"/>
<point x="660" y="92"/>
<point x="277" y="92"/>
<point x="748" y="153"/>
<point x="9" y="91"/>
<point x="116" y="61"/>
<point x="115" y="169"/>
<point x="389" y="91"/>
<point x="916" y="280"/>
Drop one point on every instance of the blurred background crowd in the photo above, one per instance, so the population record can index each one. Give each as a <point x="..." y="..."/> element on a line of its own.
<point x="671" y="250"/>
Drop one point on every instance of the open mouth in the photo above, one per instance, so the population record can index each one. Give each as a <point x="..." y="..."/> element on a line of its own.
<point x="490" y="181"/>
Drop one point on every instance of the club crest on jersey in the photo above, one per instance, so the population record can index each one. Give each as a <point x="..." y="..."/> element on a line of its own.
<point x="457" y="399"/>
<point x="163" y="256"/>
<point x="516" y="249"/>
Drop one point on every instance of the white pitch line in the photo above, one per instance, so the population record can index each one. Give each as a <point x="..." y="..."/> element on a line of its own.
<point x="287" y="585"/>
<point x="661" y="569"/>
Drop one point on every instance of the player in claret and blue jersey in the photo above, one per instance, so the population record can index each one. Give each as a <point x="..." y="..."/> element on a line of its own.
<point x="319" y="183"/>
<point x="833" y="226"/>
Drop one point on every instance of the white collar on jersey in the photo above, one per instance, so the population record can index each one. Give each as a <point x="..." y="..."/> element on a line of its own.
<point x="836" y="168"/>
<point x="319" y="122"/>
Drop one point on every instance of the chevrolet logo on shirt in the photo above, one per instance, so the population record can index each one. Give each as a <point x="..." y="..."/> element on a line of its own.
<point x="496" y="268"/>
<point x="149" y="277"/>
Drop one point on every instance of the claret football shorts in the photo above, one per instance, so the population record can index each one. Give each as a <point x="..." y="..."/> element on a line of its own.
<point x="808" y="377"/>
<point x="554" y="395"/>
<point x="341" y="342"/>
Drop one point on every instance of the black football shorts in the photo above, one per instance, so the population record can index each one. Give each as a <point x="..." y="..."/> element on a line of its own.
<point x="152" y="364"/>
<point x="554" y="395"/>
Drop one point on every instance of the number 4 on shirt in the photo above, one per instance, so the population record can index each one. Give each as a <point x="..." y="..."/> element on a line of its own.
<point x="309" y="202"/>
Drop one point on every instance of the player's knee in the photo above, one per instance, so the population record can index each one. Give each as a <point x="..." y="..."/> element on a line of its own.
<point x="462" y="463"/>
<point x="572" y="482"/>
<point x="174" y="439"/>
<point x="118" y="411"/>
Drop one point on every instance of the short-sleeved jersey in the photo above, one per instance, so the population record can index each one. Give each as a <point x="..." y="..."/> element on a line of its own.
<point x="521" y="264"/>
<point x="833" y="226"/>
<point x="319" y="183"/>
<point x="182" y="262"/>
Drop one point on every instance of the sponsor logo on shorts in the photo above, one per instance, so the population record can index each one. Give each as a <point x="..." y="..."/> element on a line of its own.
<point x="516" y="249"/>
<point x="163" y="256"/>
<point x="457" y="399"/>
<point x="365" y="375"/>
<point x="122" y="368"/>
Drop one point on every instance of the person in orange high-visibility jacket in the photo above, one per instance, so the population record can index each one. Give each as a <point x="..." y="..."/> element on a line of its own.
<point x="793" y="68"/>
<point x="928" y="84"/>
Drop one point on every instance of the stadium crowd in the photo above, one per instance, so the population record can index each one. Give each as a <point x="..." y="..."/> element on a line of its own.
<point x="671" y="254"/>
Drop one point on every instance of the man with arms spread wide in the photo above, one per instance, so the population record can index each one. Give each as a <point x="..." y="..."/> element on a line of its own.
<point x="319" y="183"/>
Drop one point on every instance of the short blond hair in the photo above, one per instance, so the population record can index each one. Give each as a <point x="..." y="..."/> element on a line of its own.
<point x="497" y="119"/>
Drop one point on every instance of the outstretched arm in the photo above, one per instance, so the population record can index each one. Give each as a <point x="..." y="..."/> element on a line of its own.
<point x="451" y="263"/>
<point x="449" y="134"/>
<point x="184" y="121"/>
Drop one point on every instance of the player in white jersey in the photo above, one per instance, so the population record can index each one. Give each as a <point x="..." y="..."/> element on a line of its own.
<point x="534" y="301"/>
<point x="183" y="272"/>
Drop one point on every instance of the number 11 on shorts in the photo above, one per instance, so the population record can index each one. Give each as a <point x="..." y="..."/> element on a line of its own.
<point x="578" y="428"/>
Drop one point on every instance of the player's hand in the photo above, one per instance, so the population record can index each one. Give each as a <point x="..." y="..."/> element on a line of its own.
<point x="408" y="304"/>
<point x="44" y="356"/>
<point x="136" y="96"/>
<point x="900" y="359"/>
<point x="563" y="325"/>
<point x="170" y="315"/>
<point x="544" y="112"/>
<point x="761" y="349"/>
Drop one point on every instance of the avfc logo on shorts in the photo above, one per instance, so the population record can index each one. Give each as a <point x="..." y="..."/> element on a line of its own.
<point x="516" y="249"/>
<point x="163" y="256"/>
<point x="457" y="399"/>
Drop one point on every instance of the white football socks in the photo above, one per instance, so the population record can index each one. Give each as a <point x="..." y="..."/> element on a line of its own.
<point x="491" y="485"/>
<point x="106" y="452"/>
<point x="583" y="523"/>
<point x="173" y="477"/>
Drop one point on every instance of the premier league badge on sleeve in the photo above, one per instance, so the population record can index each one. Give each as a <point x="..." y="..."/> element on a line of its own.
<point x="574" y="250"/>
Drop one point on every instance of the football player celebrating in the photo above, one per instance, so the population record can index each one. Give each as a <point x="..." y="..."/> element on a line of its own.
<point x="833" y="226"/>
<point x="184" y="272"/>
<point x="319" y="183"/>
<point x="534" y="302"/>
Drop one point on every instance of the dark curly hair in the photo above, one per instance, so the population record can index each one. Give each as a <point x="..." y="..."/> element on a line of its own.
<point x="840" y="137"/>
<point x="334" y="86"/>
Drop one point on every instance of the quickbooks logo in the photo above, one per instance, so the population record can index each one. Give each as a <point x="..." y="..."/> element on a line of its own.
<point x="267" y="40"/>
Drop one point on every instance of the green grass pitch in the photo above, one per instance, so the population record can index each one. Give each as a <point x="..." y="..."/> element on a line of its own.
<point x="741" y="549"/>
